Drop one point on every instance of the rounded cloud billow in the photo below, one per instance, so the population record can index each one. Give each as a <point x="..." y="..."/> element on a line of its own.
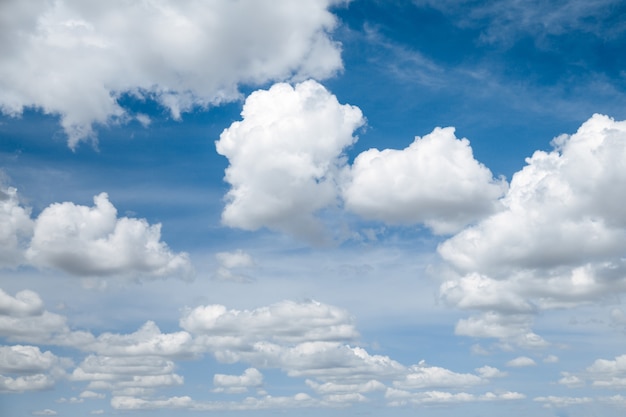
<point x="75" y="58"/>
<point x="435" y="181"/>
<point x="285" y="158"/>
<point x="559" y="240"/>
<point x="88" y="242"/>
<point x="287" y="163"/>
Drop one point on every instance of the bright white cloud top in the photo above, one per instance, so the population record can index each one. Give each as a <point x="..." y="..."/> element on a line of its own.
<point x="286" y="157"/>
<point x="269" y="236"/>
<point x="74" y="58"/>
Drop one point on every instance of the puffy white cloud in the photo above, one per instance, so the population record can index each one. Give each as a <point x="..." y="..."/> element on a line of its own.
<point x="234" y="384"/>
<point x="44" y="412"/>
<point x="477" y="292"/>
<point x="92" y="241"/>
<point x="490" y="372"/>
<point x="570" y="380"/>
<point x="126" y="375"/>
<point x="25" y="303"/>
<point x="511" y="328"/>
<point x="26" y="368"/>
<point x="15" y="228"/>
<point x="608" y="373"/>
<point x="286" y="322"/>
<point x="435" y="181"/>
<point x="146" y="341"/>
<point x="92" y="395"/>
<point x="23" y="319"/>
<point x="76" y="58"/>
<point x="25" y="359"/>
<point x="421" y="376"/>
<point x="285" y="156"/>
<point x="520" y="362"/>
<point x="232" y="266"/>
<point x="558" y="241"/>
<point x="553" y="401"/>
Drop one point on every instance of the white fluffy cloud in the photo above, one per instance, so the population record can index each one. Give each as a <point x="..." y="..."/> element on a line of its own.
<point x="608" y="373"/>
<point x="235" y="384"/>
<point x="520" y="362"/>
<point x="559" y="240"/>
<point x="435" y="181"/>
<point x="287" y="164"/>
<point x="93" y="241"/>
<point x="26" y="368"/>
<point x="285" y="156"/>
<point x="15" y="228"/>
<point x="75" y="58"/>
<point x="84" y="241"/>
<point x="286" y="321"/>
<point x="421" y="376"/>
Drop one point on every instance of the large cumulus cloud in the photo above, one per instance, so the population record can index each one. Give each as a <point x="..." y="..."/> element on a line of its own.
<point x="285" y="157"/>
<point x="74" y="58"/>
<point x="560" y="239"/>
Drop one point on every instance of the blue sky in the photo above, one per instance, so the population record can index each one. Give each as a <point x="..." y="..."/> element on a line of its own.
<point x="312" y="207"/>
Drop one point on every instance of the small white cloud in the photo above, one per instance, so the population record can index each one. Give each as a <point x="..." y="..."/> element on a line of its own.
<point x="93" y="241"/>
<point x="570" y="380"/>
<point x="234" y="384"/>
<point x="92" y="395"/>
<point x="490" y="372"/>
<point x="520" y="362"/>
<point x="551" y="359"/>
<point x="46" y="412"/>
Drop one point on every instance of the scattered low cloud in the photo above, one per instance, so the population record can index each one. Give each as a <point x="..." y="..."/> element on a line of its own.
<point x="554" y="401"/>
<point x="88" y="242"/>
<point x="285" y="157"/>
<point x="521" y="362"/>
<point x="237" y="384"/>
<point x="232" y="266"/>
<point x="16" y="227"/>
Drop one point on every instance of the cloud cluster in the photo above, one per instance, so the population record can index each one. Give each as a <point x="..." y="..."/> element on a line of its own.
<point x="86" y="241"/>
<point x="559" y="239"/>
<point x="76" y="58"/>
<point x="287" y="164"/>
<point x="307" y="340"/>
